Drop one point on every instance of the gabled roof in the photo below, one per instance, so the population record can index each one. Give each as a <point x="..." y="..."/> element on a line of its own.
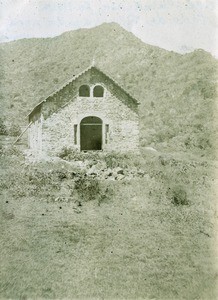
<point x="75" y="77"/>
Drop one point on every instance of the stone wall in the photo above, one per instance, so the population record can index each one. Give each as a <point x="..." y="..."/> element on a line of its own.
<point x="52" y="131"/>
<point x="35" y="135"/>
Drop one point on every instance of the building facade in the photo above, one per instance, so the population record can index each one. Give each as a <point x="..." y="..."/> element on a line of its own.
<point x="90" y="112"/>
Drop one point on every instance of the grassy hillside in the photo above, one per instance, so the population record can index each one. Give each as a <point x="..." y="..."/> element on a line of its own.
<point x="65" y="235"/>
<point x="177" y="92"/>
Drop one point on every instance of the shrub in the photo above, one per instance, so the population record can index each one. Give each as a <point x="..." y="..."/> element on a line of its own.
<point x="64" y="152"/>
<point x="87" y="188"/>
<point x="18" y="191"/>
<point x="3" y="130"/>
<point x="178" y="195"/>
<point x="14" y="130"/>
<point x="12" y="151"/>
<point x="69" y="154"/>
<point x="41" y="177"/>
<point x="114" y="160"/>
<point x="91" y="189"/>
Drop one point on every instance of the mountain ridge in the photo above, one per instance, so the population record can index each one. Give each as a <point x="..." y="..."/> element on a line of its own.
<point x="161" y="80"/>
<point x="104" y="24"/>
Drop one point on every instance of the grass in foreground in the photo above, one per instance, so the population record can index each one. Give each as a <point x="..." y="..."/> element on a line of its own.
<point x="135" y="243"/>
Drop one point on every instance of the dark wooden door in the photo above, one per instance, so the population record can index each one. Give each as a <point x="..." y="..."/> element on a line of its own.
<point x="91" y="134"/>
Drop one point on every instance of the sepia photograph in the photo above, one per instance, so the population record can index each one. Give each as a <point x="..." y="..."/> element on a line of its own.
<point x="109" y="149"/>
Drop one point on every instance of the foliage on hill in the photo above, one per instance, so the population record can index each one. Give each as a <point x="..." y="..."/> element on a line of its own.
<point x="177" y="92"/>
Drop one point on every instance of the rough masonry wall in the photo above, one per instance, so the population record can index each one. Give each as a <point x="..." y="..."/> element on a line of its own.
<point x="58" y="128"/>
<point x="35" y="135"/>
<point x="70" y="91"/>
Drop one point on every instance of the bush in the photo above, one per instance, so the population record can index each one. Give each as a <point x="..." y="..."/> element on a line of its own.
<point x="90" y="189"/>
<point x="3" y="130"/>
<point x="114" y="160"/>
<point x="69" y="154"/>
<point x="12" y="150"/>
<point x="65" y="152"/>
<point x="14" y="130"/>
<point x="87" y="188"/>
<point x="178" y="195"/>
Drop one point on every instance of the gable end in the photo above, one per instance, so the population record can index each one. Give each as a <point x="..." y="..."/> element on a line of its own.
<point x="70" y="90"/>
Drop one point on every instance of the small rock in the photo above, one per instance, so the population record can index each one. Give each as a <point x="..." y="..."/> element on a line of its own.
<point x="141" y="173"/>
<point x="77" y="210"/>
<point x="130" y="177"/>
<point x="120" y="177"/>
<point x="147" y="176"/>
<point x="151" y="149"/>
<point x="92" y="171"/>
<point x="73" y="174"/>
<point x="108" y="172"/>
<point x="133" y="171"/>
<point x="119" y="170"/>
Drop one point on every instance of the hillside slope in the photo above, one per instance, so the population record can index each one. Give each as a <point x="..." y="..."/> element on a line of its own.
<point x="177" y="92"/>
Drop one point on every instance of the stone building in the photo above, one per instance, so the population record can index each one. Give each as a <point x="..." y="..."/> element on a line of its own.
<point x="90" y="112"/>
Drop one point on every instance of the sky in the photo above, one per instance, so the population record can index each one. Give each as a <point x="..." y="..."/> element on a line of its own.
<point x="178" y="25"/>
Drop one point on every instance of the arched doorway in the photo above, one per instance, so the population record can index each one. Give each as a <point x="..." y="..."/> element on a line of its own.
<point x="91" y="133"/>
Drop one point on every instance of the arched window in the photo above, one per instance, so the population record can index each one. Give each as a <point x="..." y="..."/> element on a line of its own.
<point x="98" y="91"/>
<point x="84" y="91"/>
